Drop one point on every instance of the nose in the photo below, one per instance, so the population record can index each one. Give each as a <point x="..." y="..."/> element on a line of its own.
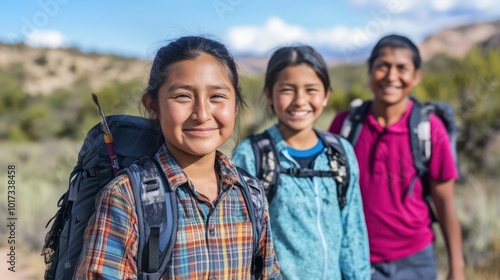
<point x="300" y="97"/>
<point x="392" y="74"/>
<point x="201" y="111"/>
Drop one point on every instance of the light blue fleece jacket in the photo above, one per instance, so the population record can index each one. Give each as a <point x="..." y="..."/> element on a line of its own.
<point x="313" y="239"/>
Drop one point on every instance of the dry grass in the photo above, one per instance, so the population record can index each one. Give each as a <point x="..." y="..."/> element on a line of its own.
<point x="42" y="174"/>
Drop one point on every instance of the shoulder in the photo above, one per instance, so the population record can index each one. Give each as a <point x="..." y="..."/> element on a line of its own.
<point x="335" y="139"/>
<point x="117" y="192"/>
<point x="350" y="155"/>
<point x="243" y="148"/>
<point x="340" y="117"/>
<point x="436" y="122"/>
<point x="344" y="146"/>
<point x="246" y="146"/>
<point x="338" y="121"/>
<point x="438" y="129"/>
<point x="243" y="156"/>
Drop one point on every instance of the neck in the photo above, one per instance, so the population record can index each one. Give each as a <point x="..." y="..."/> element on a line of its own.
<point x="387" y="115"/>
<point x="300" y="140"/>
<point x="194" y="166"/>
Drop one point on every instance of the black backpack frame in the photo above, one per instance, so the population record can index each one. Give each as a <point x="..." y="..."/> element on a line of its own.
<point x="136" y="141"/>
<point x="268" y="168"/>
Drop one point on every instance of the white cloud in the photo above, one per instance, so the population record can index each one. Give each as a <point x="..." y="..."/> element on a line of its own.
<point x="275" y="32"/>
<point x="441" y="6"/>
<point x="413" y="18"/>
<point x="336" y="39"/>
<point x="399" y="6"/>
<point x="45" y="38"/>
<point x="262" y="38"/>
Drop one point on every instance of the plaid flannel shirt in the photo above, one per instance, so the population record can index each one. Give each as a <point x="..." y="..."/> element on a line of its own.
<point x="214" y="241"/>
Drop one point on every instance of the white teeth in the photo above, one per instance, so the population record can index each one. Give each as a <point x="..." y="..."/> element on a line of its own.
<point x="391" y="89"/>
<point x="298" y="113"/>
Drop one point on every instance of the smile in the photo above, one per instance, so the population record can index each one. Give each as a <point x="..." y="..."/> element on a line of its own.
<point x="199" y="131"/>
<point x="391" y="89"/>
<point x="299" y="114"/>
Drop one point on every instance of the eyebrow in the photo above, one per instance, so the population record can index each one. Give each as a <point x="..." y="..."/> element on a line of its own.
<point x="293" y="85"/>
<point x="399" y="63"/>
<point x="191" y="88"/>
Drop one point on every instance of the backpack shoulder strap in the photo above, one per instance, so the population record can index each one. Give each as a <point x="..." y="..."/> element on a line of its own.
<point x="267" y="162"/>
<point x="254" y="195"/>
<point x="338" y="164"/>
<point x="420" y="135"/>
<point x="351" y="128"/>
<point x="156" y="207"/>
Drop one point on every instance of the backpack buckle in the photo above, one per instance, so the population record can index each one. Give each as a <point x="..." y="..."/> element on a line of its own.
<point x="151" y="184"/>
<point x="294" y="172"/>
<point x="152" y="195"/>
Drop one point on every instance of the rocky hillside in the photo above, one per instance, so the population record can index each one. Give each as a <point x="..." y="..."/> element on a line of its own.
<point x="44" y="70"/>
<point x="457" y="41"/>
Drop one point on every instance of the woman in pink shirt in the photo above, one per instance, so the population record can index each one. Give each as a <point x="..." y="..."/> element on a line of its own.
<point x="397" y="217"/>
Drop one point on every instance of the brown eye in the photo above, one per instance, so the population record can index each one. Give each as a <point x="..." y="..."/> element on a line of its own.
<point x="402" y="68"/>
<point x="381" y="66"/>
<point x="182" y="97"/>
<point x="218" y="97"/>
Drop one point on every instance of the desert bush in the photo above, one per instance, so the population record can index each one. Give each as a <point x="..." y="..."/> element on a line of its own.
<point x="42" y="171"/>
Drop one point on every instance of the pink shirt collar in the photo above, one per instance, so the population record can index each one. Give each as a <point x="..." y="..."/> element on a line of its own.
<point x="401" y="126"/>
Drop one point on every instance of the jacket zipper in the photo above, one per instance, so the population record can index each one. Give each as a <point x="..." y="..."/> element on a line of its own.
<point x="318" y="219"/>
<point x="320" y="229"/>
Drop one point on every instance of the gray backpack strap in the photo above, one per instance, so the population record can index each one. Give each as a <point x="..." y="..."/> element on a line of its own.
<point x="254" y="196"/>
<point x="351" y="127"/>
<point x="156" y="207"/>
<point x="420" y="136"/>
<point x="267" y="162"/>
<point x="339" y="165"/>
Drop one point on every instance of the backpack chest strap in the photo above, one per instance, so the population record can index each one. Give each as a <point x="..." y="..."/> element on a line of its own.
<point x="307" y="173"/>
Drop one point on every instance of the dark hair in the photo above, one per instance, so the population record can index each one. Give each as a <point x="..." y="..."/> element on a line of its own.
<point x="190" y="47"/>
<point x="292" y="56"/>
<point x="394" y="41"/>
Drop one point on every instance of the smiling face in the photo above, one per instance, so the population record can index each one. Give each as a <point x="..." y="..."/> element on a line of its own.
<point x="393" y="76"/>
<point x="197" y="107"/>
<point x="298" y="98"/>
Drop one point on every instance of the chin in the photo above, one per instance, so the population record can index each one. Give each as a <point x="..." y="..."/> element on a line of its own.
<point x="390" y="100"/>
<point x="201" y="152"/>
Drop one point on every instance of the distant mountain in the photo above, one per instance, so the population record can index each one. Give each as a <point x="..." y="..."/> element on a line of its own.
<point x="45" y="70"/>
<point x="251" y="65"/>
<point x="42" y="70"/>
<point x="492" y="43"/>
<point x="457" y="41"/>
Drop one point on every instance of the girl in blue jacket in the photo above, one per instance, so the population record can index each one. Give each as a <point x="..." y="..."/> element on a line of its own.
<point x="314" y="237"/>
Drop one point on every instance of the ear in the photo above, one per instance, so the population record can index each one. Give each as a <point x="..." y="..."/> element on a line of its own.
<point x="418" y="77"/>
<point x="148" y="103"/>
<point x="327" y="97"/>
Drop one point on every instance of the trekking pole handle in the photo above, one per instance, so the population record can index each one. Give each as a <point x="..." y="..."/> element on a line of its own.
<point x="108" y="139"/>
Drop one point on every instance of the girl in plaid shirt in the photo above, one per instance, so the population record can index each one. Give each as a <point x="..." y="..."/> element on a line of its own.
<point x="193" y="93"/>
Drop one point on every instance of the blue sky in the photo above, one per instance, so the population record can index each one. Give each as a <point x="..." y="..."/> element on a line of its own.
<point x="139" y="28"/>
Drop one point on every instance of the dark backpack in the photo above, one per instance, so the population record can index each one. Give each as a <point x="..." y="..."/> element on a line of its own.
<point x="268" y="168"/>
<point x="136" y="141"/>
<point x="420" y="135"/>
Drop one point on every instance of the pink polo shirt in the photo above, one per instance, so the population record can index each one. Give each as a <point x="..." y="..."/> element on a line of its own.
<point x="398" y="222"/>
